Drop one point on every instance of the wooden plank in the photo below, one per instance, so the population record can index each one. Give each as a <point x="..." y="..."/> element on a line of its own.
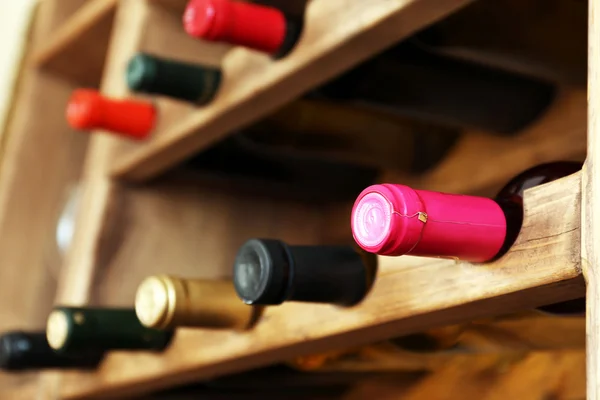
<point x="77" y="274"/>
<point x="25" y="390"/>
<point x="411" y="294"/>
<point x="473" y="165"/>
<point x="77" y="49"/>
<point x="41" y="160"/>
<point x="76" y="281"/>
<point x="514" y="334"/>
<point x="590" y="209"/>
<point x="538" y="375"/>
<point x="56" y="14"/>
<point x="338" y="34"/>
<point x="33" y="191"/>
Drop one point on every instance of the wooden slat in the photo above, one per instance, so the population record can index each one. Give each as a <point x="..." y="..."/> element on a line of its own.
<point x="338" y="35"/>
<point x="76" y="282"/>
<point x="410" y="294"/>
<point x="515" y="334"/>
<point x="27" y="391"/>
<point x="76" y="50"/>
<point x="539" y="375"/>
<point x="56" y="14"/>
<point x="590" y="228"/>
<point x="77" y="274"/>
<point x="41" y="160"/>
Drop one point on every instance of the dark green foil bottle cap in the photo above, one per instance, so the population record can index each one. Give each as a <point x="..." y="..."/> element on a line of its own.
<point x="71" y="330"/>
<point x="153" y="75"/>
<point x="24" y="351"/>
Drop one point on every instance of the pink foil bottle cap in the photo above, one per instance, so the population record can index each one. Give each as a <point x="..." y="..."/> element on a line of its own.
<point x="387" y="219"/>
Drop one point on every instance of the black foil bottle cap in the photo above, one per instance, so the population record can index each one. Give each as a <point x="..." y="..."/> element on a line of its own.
<point x="269" y="272"/>
<point x="261" y="272"/>
<point x="10" y="344"/>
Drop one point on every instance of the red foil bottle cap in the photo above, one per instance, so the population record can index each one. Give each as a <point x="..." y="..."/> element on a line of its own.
<point x="84" y="110"/>
<point x="88" y="110"/>
<point x="245" y="24"/>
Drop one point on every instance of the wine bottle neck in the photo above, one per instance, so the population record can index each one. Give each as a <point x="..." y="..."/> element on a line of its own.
<point x="270" y="272"/>
<point x="21" y="351"/>
<point x="89" y="110"/>
<point x="395" y="220"/>
<point x="255" y="26"/>
<point x="182" y="81"/>
<point x="71" y="330"/>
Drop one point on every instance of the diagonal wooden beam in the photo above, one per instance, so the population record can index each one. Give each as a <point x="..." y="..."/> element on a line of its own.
<point x="590" y="228"/>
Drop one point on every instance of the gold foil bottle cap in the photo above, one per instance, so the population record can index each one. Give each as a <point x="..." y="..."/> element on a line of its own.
<point x="155" y="301"/>
<point x="57" y="329"/>
<point x="166" y="302"/>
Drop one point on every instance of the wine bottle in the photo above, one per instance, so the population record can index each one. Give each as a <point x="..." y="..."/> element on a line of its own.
<point x="89" y="110"/>
<point x="166" y="302"/>
<point x="337" y="132"/>
<point x="257" y="170"/>
<point x="259" y="27"/>
<point x="23" y="351"/>
<point x="515" y="35"/>
<point x="316" y="128"/>
<point x="395" y="220"/>
<point x="269" y="272"/>
<point x="390" y="219"/>
<point x="413" y="81"/>
<point x="71" y="330"/>
<point x="183" y="81"/>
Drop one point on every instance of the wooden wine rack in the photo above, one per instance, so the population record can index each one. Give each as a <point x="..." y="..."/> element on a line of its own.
<point x="130" y="226"/>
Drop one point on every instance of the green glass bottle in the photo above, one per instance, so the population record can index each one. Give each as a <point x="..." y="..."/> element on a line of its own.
<point x="72" y="329"/>
<point x="179" y="80"/>
<point x="30" y="351"/>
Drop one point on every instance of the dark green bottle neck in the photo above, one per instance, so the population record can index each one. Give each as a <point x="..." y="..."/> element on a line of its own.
<point x="102" y="329"/>
<point x="20" y="351"/>
<point x="171" y="78"/>
<point x="413" y="81"/>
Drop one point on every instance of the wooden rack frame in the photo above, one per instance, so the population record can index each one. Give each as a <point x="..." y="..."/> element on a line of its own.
<point x="164" y="218"/>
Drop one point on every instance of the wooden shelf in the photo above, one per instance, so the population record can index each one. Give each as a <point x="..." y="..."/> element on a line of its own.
<point x="83" y="36"/>
<point x="410" y="294"/>
<point x="338" y="34"/>
<point x="41" y="159"/>
<point x="26" y="388"/>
